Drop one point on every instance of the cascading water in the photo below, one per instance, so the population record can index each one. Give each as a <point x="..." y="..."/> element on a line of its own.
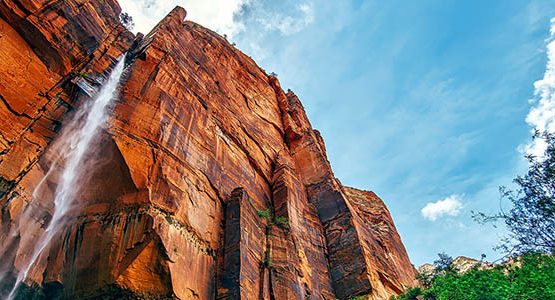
<point x="72" y="145"/>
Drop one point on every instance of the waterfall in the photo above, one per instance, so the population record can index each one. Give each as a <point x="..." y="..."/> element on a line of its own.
<point x="71" y="146"/>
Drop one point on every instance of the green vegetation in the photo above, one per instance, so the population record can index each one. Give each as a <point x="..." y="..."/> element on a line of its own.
<point x="280" y="221"/>
<point x="83" y="75"/>
<point x="267" y="260"/>
<point x="264" y="214"/>
<point x="362" y="297"/>
<point x="531" y="276"/>
<point x="410" y="294"/>
<point x="531" y="217"/>
<point x="529" y="273"/>
<point x="127" y="21"/>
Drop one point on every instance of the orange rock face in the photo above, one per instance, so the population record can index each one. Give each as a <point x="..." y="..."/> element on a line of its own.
<point x="208" y="182"/>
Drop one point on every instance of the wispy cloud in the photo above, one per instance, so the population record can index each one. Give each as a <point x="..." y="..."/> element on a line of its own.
<point x="270" y="25"/>
<point x="450" y="206"/>
<point x="288" y="24"/>
<point x="285" y="18"/>
<point x="224" y="16"/>
<point x="542" y="116"/>
<point x="218" y="15"/>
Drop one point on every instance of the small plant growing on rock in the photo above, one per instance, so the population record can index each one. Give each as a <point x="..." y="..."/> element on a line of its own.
<point x="361" y="297"/>
<point x="265" y="213"/>
<point x="83" y="75"/>
<point x="267" y="261"/>
<point x="282" y="222"/>
<point x="127" y="21"/>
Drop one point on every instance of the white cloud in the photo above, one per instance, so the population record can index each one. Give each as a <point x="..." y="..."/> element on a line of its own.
<point x="223" y="16"/>
<point x="450" y="206"/>
<point x="286" y="24"/>
<point x="217" y="15"/>
<point x="542" y="116"/>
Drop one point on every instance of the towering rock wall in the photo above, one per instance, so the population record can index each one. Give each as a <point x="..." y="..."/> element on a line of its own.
<point x="210" y="182"/>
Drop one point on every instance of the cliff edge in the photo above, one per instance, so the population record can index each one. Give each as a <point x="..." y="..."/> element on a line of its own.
<point x="209" y="180"/>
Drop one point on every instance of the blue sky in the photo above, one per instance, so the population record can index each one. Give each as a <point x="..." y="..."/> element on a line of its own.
<point x="419" y="101"/>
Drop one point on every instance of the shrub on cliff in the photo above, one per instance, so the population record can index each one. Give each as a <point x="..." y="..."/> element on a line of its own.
<point x="127" y="21"/>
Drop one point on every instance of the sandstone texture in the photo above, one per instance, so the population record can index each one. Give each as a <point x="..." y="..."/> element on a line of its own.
<point x="208" y="181"/>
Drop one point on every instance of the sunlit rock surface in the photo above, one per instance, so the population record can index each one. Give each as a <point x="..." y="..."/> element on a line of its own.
<point x="210" y="182"/>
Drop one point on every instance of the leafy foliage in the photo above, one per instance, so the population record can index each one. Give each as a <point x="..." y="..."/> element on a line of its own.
<point x="532" y="276"/>
<point x="444" y="264"/>
<point x="531" y="225"/>
<point x="361" y="297"/>
<point x="83" y="75"/>
<point x="266" y="214"/>
<point x="410" y="294"/>
<point x="127" y="21"/>
<point x="475" y="284"/>
<point x="531" y="219"/>
<point x="282" y="222"/>
<point x="267" y="260"/>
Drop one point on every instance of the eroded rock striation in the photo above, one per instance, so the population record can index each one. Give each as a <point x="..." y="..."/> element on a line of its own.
<point x="210" y="182"/>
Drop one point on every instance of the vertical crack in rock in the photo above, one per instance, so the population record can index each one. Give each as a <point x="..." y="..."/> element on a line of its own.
<point x="245" y="252"/>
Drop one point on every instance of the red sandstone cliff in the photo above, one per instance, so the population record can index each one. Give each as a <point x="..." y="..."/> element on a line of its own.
<point x="213" y="184"/>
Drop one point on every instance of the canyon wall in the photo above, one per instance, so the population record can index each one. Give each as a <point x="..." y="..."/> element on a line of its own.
<point x="210" y="182"/>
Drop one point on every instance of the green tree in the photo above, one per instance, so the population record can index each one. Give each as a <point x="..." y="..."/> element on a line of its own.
<point x="531" y="218"/>
<point x="444" y="264"/>
<point x="531" y="276"/>
<point x="472" y="285"/>
<point x="410" y="294"/>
